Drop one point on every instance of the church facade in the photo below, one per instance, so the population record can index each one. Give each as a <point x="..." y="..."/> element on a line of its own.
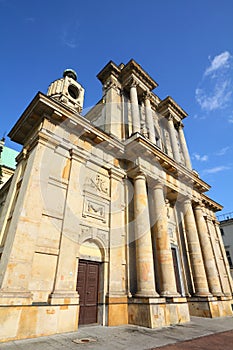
<point x="104" y="221"/>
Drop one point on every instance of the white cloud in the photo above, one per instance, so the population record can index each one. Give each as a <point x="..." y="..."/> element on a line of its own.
<point x="216" y="169"/>
<point x="218" y="62"/>
<point x="230" y="120"/>
<point x="222" y="151"/>
<point x="70" y="35"/>
<point x="215" y="90"/>
<point x="200" y="158"/>
<point x="216" y="99"/>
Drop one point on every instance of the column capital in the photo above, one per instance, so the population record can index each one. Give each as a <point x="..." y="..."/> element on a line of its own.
<point x="156" y="184"/>
<point x="180" y="125"/>
<point x="133" y="82"/>
<point x="136" y="173"/>
<point x="198" y="205"/>
<point x="170" y="117"/>
<point x="146" y="95"/>
<point x="116" y="174"/>
<point x="22" y="155"/>
<point x="186" y="200"/>
<point x="79" y="155"/>
<point x="112" y="83"/>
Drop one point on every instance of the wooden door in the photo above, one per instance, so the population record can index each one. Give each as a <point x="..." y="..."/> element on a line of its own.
<point x="176" y="270"/>
<point x="87" y="287"/>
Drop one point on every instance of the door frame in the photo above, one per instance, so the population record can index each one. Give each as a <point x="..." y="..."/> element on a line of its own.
<point x="98" y="263"/>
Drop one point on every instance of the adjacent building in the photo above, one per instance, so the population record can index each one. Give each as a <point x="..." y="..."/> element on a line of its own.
<point x="226" y="228"/>
<point x="7" y="162"/>
<point x="104" y="220"/>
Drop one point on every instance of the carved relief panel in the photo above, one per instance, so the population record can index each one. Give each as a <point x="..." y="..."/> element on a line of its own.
<point x="96" y="196"/>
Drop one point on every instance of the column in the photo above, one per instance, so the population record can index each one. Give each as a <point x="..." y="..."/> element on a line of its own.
<point x="172" y="132"/>
<point x="220" y="258"/>
<point x="134" y="107"/>
<point x="149" y="117"/>
<point x="218" y="233"/>
<point x="194" y="250"/>
<point x="184" y="146"/>
<point x="144" y="253"/>
<point x="162" y="242"/>
<point x="207" y="251"/>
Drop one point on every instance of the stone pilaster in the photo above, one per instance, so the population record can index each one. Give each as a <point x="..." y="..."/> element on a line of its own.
<point x="184" y="147"/>
<point x="65" y="283"/>
<point x="172" y="133"/>
<point x="22" y="228"/>
<point x="207" y="252"/>
<point x="144" y="253"/>
<point x="113" y="112"/>
<point x="194" y="250"/>
<point x="117" y="251"/>
<point x="149" y="117"/>
<point x="162" y="243"/>
<point x="134" y="107"/>
<point x="117" y="298"/>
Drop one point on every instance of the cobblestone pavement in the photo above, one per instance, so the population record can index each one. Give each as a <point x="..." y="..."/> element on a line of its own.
<point x="217" y="333"/>
<point x="217" y="341"/>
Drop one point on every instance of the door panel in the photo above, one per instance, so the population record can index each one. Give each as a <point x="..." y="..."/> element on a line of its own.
<point x="87" y="287"/>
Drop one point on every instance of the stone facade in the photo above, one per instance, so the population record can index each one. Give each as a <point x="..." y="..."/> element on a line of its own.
<point x="107" y="206"/>
<point x="226" y="228"/>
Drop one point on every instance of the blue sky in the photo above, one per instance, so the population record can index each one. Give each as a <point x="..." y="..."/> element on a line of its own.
<point x="186" y="46"/>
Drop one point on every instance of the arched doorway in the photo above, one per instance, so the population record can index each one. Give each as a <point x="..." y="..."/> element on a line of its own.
<point x="89" y="282"/>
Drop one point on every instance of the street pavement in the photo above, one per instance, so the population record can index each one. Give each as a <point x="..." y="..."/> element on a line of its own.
<point x="199" y="333"/>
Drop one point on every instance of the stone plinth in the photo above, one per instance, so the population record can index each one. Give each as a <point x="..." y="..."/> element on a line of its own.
<point x="158" y="312"/>
<point x="20" y="322"/>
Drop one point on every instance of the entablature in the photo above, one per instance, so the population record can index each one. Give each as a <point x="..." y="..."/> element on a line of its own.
<point x="43" y="107"/>
<point x="210" y="203"/>
<point x="168" y="107"/>
<point x="138" y="146"/>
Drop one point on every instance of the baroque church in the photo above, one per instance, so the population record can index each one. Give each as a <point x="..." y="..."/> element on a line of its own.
<point x="104" y="221"/>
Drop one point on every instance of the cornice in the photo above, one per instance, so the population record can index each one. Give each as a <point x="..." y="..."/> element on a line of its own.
<point x="169" y="107"/>
<point x="210" y="203"/>
<point x="138" y="146"/>
<point x="110" y="69"/>
<point x="43" y="107"/>
<point x="133" y="67"/>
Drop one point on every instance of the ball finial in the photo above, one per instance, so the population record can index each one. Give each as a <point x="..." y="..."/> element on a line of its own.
<point x="70" y="73"/>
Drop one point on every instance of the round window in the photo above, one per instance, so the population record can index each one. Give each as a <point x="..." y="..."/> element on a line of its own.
<point x="73" y="91"/>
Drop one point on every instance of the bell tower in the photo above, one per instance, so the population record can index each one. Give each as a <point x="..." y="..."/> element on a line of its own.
<point x="68" y="91"/>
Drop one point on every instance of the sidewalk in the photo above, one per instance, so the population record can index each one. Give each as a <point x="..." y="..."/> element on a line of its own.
<point x="134" y="337"/>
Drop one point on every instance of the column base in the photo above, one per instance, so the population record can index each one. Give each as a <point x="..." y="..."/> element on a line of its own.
<point x="203" y="295"/>
<point x="117" y="310"/>
<point x="15" y="298"/>
<point x="167" y="294"/>
<point x="210" y="306"/>
<point x="146" y="294"/>
<point x="64" y="298"/>
<point x="156" y="312"/>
